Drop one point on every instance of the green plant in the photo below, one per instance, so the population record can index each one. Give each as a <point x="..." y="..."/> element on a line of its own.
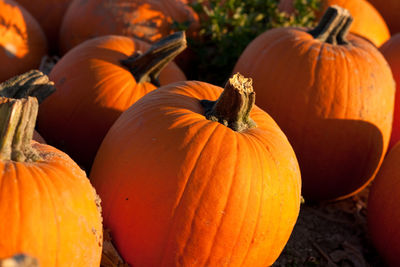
<point x="227" y="26"/>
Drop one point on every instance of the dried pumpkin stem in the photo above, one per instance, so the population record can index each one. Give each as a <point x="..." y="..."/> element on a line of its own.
<point x="110" y="256"/>
<point x="32" y="83"/>
<point x="17" y="122"/>
<point x="19" y="260"/>
<point x="334" y="26"/>
<point x="233" y="106"/>
<point x="146" y="67"/>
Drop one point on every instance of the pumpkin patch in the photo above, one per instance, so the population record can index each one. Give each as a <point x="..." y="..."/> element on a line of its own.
<point x="216" y="133"/>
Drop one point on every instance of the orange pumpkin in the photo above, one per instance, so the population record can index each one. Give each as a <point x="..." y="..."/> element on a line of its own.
<point x="332" y="93"/>
<point x="147" y="20"/>
<point x="368" y="22"/>
<point x="384" y="208"/>
<point x="187" y="185"/>
<point x="49" y="209"/>
<point x="49" y="14"/>
<point x="96" y="82"/>
<point x="390" y="51"/>
<point x="390" y="10"/>
<point x="22" y="41"/>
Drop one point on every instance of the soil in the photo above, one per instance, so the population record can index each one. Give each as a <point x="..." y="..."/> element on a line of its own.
<point x="331" y="234"/>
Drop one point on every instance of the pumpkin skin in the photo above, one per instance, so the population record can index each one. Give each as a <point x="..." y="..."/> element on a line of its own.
<point x="390" y="50"/>
<point x="334" y="103"/>
<point x="368" y="22"/>
<point x="93" y="89"/>
<point x="52" y="211"/>
<point x="180" y="190"/>
<point x="49" y="14"/>
<point x="22" y="41"/>
<point x="148" y="20"/>
<point x="383" y="208"/>
<point x="390" y="10"/>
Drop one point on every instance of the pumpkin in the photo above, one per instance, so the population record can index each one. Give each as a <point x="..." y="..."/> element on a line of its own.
<point x="96" y="82"/>
<point x="49" y="209"/>
<point x="368" y="22"/>
<point x="332" y="93"/>
<point x="146" y="20"/>
<point x="390" y="51"/>
<point x="383" y="210"/>
<point x="390" y="10"/>
<point x="189" y="180"/>
<point x="49" y="14"/>
<point x="22" y="41"/>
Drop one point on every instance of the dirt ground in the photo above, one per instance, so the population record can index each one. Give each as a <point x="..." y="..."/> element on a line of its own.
<point x="331" y="234"/>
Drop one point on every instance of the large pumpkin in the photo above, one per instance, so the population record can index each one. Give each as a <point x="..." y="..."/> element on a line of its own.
<point x="49" y="14"/>
<point x="96" y="82"/>
<point x="391" y="52"/>
<point x="390" y="10"/>
<point x="48" y="208"/>
<point x="147" y="20"/>
<point x="187" y="185"/>
<point x="368" y="22"/>
<point x="384" y="208"/>
<point x="332" y="93"/>
<point x="22" y="41"/>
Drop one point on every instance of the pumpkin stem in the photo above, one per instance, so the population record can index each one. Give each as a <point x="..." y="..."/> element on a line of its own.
<point x="17" y="123"/>
<point x="233" y="106"/>
<point x="32" y="83"/>
<point x="146" y="67"/>
<point x="334" y="26"/>
<point x="19" y="260"/>
<point x="110" y="255"/>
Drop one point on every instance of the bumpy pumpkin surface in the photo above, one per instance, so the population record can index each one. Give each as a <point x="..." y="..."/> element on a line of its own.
<point x="148" y="20"/>
<point x="22" y="41"/>
<point x="94" y="86"/>
<point x="391" y="51"/>
<point x="48" y="208"/>
<point x="179" y="189"/>
<point x="384" y="208"/>
<point x="368" y="22"/>
<point x="332" y="93"/>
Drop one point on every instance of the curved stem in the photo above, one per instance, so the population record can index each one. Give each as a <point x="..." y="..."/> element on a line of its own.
<point x="233" y="106"/>
<point x="32" y="83"/>
<point x="334" y="26"/>
<point x="17" y="121"/>
<point x="146" y="67"/>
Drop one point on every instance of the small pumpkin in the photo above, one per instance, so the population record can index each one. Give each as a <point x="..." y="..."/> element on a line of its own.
<point x="145" y="20"/>
<point x="52" y="212"/>
<point x="22" y="41"/>
<point x="332" y="93"/>
<point x="195" y="175"/>
<point x="96" y="82"/>
<point x="383" y="210"/>
<point x="368" y="22"/>
<point x="49" y="14"/>
<point x="390" y="10"/>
